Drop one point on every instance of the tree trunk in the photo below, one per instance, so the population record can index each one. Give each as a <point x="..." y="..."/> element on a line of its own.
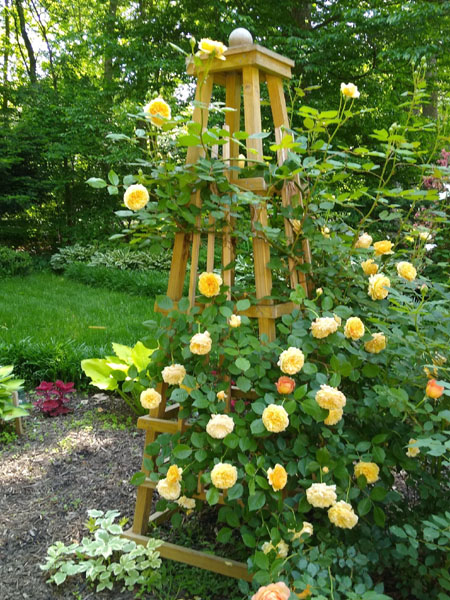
<point x="302" y="15"/>
<point x="6" y="50"/>
<point x="31" y="68"/>
<point x="430" y="107"/>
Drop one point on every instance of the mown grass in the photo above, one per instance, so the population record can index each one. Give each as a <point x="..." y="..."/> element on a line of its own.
<point x="49" y="323"/>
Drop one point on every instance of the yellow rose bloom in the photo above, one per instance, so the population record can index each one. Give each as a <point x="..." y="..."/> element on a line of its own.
<point x="174" y="374"/>
<point x="342" y="515"/>
<point x="325" y="231"/>
<point x="350" y="90"/>
<point x="169" y="491"/>
<point x="282" y="550"/>
<point x="296" y="226"/>
<point x="412" y="451"/>
<point x="184" y="502"/>
<point x="277" y="477"/>
<point x="369" y="266"/>
<point x="370" y="470"/>
<point x="376" y="344"/>
<point x="378" y="286"/>
<point x="136" y="197"/>
<point x="207" y="46"/>
<point x="275" y="418"/>
<point x="406" y="270"/>
<point x="267" y="547"/>
<point x="354" y="328"/>
<point x="209" y="284"/>
<point x="221" y="395"/>
<point x="150" y="398"/>
<point x="174" y="474"/>
<point x="321" y="495"/>
<point x="200" y="343"/>
<point x="234" y="321"/>
<point x="307" y="528"/>
<point x="364" y="241"/>
<point x="330" y="398"/>
<point x="157" y="111"/>
<point x="334" y="416"/>
<point x="291" y="361"/>
<point x="224" y="476"/>
<point x="219" y="426"/>
<point x="383" y="247"/>
<point x="322" y="327"/>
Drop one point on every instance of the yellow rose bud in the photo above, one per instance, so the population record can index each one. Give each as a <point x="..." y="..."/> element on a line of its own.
<point x="412" y="451"/>
<point x="296" y="226"/>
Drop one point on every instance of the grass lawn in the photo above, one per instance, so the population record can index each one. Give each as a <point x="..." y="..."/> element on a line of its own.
<point x="48" y="318"/>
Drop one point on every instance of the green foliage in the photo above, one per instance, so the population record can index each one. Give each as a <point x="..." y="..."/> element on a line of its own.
<point x="126" y="373"/>
<point x="8" y="385"/>
<point x="105" y="557"/>
<point x="13" y="262"/>
<point x="54" y="323"/>
<point x="138" y="283"/>
<point x="117" y="258"/>
<point x="346" y="191"/>
<point x="424" y="548"/>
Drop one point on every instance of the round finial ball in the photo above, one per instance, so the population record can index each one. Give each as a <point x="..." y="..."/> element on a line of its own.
<point x="240" y="37"/>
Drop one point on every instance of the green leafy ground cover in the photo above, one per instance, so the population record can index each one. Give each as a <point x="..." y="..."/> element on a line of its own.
<point x="48" y="324"/>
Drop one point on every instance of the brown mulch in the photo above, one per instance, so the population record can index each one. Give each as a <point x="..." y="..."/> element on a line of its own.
<point x="60" y="468"/>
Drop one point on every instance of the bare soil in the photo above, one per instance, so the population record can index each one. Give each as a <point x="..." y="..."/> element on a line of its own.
<point x="60" y="468"/>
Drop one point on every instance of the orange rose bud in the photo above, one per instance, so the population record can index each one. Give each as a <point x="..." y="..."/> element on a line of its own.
<point x="285" y="385"/>
<point x="434" y="390"/>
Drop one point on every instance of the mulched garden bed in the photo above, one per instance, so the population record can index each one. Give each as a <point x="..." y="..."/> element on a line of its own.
<point x="50" y="477"/>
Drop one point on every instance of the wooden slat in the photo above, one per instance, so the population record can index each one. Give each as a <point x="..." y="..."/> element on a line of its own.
<point x="249" y="55"/>
<point x="210" y="562"/>
<point x="203" y="94"/>
<point x="178" y="266"/>
<point x="159" y="425"/>
<point x="253" y="184"/>
<point x="18" y="423"/>
<point x="211" y="244"/>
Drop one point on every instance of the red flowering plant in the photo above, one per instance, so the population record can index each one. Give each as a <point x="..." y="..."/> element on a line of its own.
<point x="52" y="397"/>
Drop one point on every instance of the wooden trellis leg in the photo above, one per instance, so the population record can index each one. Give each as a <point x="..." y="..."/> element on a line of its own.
<point x="261" y="250"/>
<point x="145" y="494"/>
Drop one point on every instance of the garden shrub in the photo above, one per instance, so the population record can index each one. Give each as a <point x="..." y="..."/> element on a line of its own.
<point x="104" y="256"/>
<point x="14" y="262"/>
<point x="337" y="443"/>
<point x="47" y="360"/>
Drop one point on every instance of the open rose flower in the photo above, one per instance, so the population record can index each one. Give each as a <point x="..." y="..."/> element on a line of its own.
<point x="200" y="343"/>
<point x="277" y="477"/>
<point x="173" y="374"/>
<point x="274" y="591"/>
<point x="370" y="470"/>
<point x="364" y="241"/>
<point x="354" y="328"/>
<point x="379" y="286"/>
<point x="209" y="284"/>
<point x="157" y="111"/>
<point x="342" y="515"/>
<point x="207" y="46"/>
<point x="150" y="398"/>
<point x="349" y="90"/>
<point x="219" y="426"/>
<point x="136" y="197"/>
<point x="291" y="361"/>
<point x="376" y="344"/>
<point x="406" y="270"/>
<point x="275" y="418"/>
<point x="383" y="247"/>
